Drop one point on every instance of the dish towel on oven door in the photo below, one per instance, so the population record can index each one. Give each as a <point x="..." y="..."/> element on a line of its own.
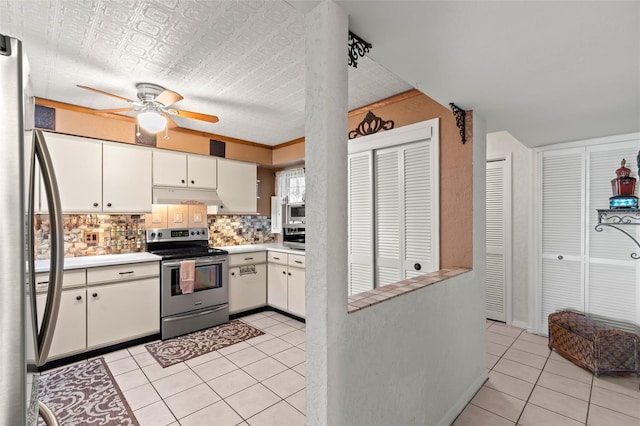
<point x="187" y="276"/>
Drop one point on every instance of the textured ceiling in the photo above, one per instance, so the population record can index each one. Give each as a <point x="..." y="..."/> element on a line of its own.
<point x="240" y="60"/>
<point x="546" y="71"/>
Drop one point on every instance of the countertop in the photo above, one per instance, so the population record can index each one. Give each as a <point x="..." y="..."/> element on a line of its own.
<point x="121" y="259"/>
<point x="248" y="248"/>
<point x="94" y="261"/>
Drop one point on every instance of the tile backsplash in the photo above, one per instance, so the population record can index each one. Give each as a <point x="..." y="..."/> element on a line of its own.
<point x="90" y="234"/>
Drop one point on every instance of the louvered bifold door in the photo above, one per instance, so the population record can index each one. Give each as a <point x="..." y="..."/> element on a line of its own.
<point x="612" y="275"/>
<point x="360" y="222"/>
<point x="496" y="232"/>
<point x="562" y="227"/>
<point x="388" y="216"/>
<point x="419" y="232"/>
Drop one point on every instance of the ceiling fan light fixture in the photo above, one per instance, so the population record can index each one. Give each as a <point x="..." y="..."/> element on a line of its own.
<point x="152" y="121"/>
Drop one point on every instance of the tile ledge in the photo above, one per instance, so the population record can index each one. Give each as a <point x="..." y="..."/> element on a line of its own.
<point x="369" y="298"/>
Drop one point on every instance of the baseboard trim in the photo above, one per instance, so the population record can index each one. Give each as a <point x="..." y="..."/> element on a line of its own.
<point x="462" y="402"/>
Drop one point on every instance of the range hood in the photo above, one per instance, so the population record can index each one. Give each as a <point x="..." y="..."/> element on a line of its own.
<point x="166" y="195"/>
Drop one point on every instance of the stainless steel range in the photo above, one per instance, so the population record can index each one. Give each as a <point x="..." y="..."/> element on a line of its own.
<point x="205" y="301"/>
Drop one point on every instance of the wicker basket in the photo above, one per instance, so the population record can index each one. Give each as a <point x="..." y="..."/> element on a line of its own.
<point x="592" y="344"/>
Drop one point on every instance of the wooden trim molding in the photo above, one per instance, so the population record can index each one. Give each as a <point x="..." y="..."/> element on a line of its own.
<point x="292" y="142"/>
<point x="385" y="102"/>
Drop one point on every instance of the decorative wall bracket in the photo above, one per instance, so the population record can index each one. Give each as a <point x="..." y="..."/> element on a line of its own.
<point x="369" y="125"/>
<point x="616" y="219"/>
<point x="357" y="48"/>
<point x="460" y="121"/>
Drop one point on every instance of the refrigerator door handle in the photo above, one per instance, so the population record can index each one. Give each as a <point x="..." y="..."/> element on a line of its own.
<point x="44" y="336"/>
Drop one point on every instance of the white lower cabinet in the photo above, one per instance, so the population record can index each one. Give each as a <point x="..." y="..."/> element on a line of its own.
<point x="122" y="311"/>
<point x="296" y="292"/>
<point x="247" y="281"/>
<point x="286" y="283"/>
<point x="103" y="306"/>
<point x="277" y="286"/>
<point x="247" y="287"/>
<point x="70" y="335"/>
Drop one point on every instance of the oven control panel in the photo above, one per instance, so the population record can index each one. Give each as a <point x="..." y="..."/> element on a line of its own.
<point x="173" y="234"/>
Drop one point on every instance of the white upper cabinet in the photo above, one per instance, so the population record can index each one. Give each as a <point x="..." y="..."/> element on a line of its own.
<point x="184" y="170"/>
<point x="169" y="168"/>
<point x="78" y="168"/>
<point x="237" y="186"/>
<point x="126" y="173"/>
<point x="201" y="172"/>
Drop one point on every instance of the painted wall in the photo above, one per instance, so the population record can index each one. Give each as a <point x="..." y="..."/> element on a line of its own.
<point x="499" y="145"/>
<point x="74" y="120"/>
<point x="418" y="360"/>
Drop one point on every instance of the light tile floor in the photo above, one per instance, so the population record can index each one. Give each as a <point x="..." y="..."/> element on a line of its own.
<point x="530" y="385"/>
<point x="261" y="381"/>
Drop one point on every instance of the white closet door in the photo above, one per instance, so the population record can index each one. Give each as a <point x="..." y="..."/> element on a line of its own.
<point x="388" y="216"/>
<point x="563" y="204"/>
<point x="419" y="215"/>
<point x="360" y="222"/>
<point x="496" y="240"/>
<point x="613" y="285"/>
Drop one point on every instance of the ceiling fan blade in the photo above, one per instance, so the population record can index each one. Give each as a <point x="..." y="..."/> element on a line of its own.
<point x="117" y="110"/>
<point x="193" y="115"/>
<point x="122" y="98"/>
<point x="168" y="97"/>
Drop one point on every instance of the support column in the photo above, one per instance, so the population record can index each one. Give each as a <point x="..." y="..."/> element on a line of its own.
<point x="326" y="187"/>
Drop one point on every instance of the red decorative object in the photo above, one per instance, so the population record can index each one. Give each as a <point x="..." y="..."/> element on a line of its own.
<point x="624" y="184"/>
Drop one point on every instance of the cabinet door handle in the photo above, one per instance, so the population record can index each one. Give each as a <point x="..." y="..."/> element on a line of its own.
<point x="276" y="258"/>
<point x="289" y="274"/>
<point x="108" y="204"/>
<point x="417" y="266"/>
<point x="233" y="274"/>
<point x="125" y="273"/>
<point x="95" y="204"/>
<point x="298" y="261"/>
<point x="193" y="181"/>
<point x="284" y="272"/>
<point x="560" y="257"/>
<point x="94" y="295"/>
<point x="78" y="297"/>
<point x="182" y="181"/>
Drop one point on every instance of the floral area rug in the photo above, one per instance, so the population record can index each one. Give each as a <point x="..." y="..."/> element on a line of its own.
<point x="85" y="394"/>
<point x="182" y="348"/>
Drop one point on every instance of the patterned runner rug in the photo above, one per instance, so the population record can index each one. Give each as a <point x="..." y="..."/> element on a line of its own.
<point x="182" y="348"/>
<point x="85" y="394"/>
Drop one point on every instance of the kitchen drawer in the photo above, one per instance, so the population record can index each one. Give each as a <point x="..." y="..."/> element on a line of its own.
<point x="277" y="257"/>
<point x="131" y="271"/>
<point x="296" y="260"/>
<point x="70" y="278"/>
<point x="247" y="258"/>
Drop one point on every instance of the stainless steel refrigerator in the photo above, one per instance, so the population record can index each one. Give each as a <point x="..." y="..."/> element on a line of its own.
<point x="23" y="158"/>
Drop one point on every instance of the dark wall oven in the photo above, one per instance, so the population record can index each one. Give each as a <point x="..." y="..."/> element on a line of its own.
<point x="203" y="304"/>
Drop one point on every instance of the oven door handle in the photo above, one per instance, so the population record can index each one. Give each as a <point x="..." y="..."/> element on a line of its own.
<point x="198" y="263"/>
<point x="197" y="314"/>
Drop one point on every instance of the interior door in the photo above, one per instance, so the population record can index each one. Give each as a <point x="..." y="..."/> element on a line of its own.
<point x="563" y="211"/>
<point x="496" y="217"/>
<point x="388" y="208"/>
<point x="361" y="209"/>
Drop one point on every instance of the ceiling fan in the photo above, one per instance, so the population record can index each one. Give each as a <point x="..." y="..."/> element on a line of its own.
<point x="155" y="114"/>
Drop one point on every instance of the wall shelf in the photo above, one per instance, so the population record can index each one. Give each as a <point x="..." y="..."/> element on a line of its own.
<point x="618" y="219"/>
